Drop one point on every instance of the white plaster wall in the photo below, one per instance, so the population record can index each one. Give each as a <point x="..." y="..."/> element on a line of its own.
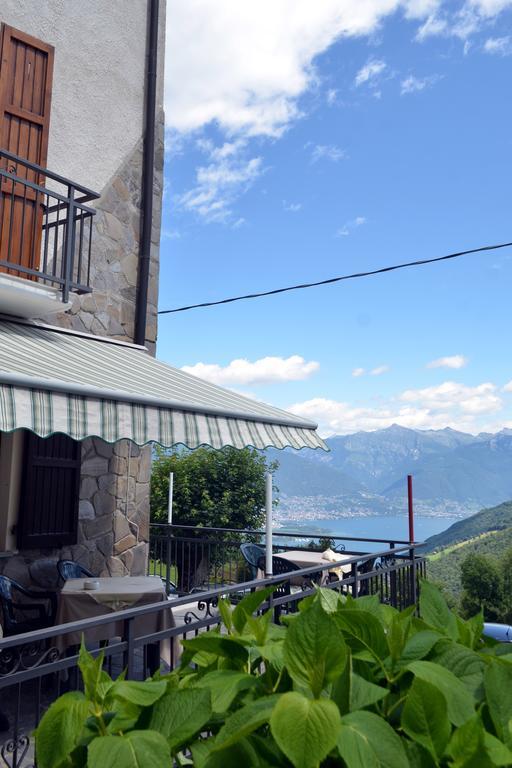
<point x="98" y="81"/>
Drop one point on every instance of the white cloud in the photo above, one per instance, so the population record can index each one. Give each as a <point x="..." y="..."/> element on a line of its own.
<point x="370" y="71"/>
<point x="245" y="65"/>
<point x="471" y="17"/>
<point x="499" y="45"/>
<point x="227" y="174"/>
<point x="331" y="96"/>
<point x="379" y="370"/>
<point x="263" y="371"/>
<point x="449" y="405"/>
<point x="508" y="387"/>
<point x="358" y="372"/>
<point x="327" y="152"/>
<point x="292" y="207"/>
<point x="349" y="226"/>
<point x="452" y="361"/>
<point x="452" y="395"/>
<point x="413" y="84"/>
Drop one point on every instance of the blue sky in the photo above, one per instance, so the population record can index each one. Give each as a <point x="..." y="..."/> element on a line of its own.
<point x="307" y="140"/>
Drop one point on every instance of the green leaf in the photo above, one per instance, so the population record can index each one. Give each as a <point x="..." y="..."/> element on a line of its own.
<point x="305" y="729"/>
<point x="497" y="751"/>
<point x="96" y="682"/>
<point x="138" y="749"/>
<point x="181" y="714"/>
<point x="218" y="645"/>
<point x="418" y="646"/>
<point x="367" y="741"/>
<point x="249" y="605"/>
<point x="459" y="702"/>
<point x="60" y="729"/>
<point x="363" y="632"/>
<point x="143" y="694"/>
<point x="329" y="599"/>
<point x="314" y="651"/>
<point x="498" y="689"/>
<point x="225" y="611"/>
<point x="417" y="755"/>
<point x="246" y="720"/>
<point x="224" y="686"/>
<point x="425" y="717"/>
<point x="467" y="665"/>
<point x="364" y="694"/>
<point x="435" y="612"/>
<point x="239" y="755"/>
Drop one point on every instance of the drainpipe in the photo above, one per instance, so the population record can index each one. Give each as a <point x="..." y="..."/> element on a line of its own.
<point x="148" y="163"/>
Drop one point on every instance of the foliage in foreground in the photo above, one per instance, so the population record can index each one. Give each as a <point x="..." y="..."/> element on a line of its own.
<point x="345" y="683"/>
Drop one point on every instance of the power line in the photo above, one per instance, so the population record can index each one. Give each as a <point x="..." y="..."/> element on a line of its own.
<point x="353" y="276"/>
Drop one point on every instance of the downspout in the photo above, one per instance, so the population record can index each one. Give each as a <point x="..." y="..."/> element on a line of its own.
<point x="148" y="163"/>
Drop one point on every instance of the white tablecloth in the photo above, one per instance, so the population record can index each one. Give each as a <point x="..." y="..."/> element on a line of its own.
<point x="306" y="558"/>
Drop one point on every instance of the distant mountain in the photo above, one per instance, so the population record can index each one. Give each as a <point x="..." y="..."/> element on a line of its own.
<point x="447" y="465"/>
<point x="494" y="519"/>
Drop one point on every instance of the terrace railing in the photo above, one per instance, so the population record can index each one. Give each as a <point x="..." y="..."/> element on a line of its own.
<point x="45" y="226"/>
<point x="36" y="667"/>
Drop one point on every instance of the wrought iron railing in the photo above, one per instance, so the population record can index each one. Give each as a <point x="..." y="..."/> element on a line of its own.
<point x="188" y="557"/>
<point x="45" y="226"/>
<point x="37" y="667"/>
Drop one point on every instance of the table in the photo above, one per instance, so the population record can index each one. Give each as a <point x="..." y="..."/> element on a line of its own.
<point x="113" y="594"/>
<point x="306" y="558"/>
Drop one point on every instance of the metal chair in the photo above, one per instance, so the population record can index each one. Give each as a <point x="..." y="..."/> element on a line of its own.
<point x="16" y="614"/>
<point x="364" y="568"/>
<point x="69" y="569"/>
<point x="282" y="566"/>
<point x="252" y="554"/>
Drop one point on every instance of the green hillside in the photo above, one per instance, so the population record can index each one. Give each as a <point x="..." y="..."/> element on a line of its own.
<point x="444" y="566"/>
<point x="493" y="519"/>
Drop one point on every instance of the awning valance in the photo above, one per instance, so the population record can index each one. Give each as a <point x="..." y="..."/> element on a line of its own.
<point x="52" y="380"/>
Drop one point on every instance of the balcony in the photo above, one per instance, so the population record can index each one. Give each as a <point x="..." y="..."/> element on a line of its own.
<point x="45" y="238"/>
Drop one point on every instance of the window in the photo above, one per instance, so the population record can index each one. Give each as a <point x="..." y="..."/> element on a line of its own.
<point x="48" y="513"/>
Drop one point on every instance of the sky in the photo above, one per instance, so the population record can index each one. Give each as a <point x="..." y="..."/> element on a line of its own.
<point x="309" y="140"/>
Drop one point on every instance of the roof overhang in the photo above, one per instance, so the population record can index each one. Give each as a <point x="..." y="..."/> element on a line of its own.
<point x="54" y="380"/>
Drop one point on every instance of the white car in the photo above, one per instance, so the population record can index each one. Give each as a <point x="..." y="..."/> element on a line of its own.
<point x="501" y="632"/>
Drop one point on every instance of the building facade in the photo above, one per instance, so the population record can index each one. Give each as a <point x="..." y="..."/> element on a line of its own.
<point x="74" y="82"/>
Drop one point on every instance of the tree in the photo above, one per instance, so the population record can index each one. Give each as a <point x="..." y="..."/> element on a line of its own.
<point x="212" y="488"/>
<point x="506" y="567"/>
<point x="482" y="582"/>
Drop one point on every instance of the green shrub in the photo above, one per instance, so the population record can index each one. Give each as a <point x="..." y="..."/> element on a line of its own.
<point x="342" y="683"/>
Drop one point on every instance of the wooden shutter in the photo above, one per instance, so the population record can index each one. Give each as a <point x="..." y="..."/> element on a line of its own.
<point x="48" y="515"/>
<point x="26" y="72"/>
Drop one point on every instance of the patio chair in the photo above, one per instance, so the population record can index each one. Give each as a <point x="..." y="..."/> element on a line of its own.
<point x="69" y="569"/>
<point x="18" y="615"/>
<point x="366" y="567"/>
<point x="252" y="554"/>
<point x="282" y="566"/>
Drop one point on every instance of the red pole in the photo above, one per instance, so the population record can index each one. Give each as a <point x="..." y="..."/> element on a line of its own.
<point x="411" y="510"/>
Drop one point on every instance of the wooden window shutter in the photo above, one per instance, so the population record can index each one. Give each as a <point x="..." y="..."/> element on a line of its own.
<point x="48" y="515"/>
<point x="26" y="73"/>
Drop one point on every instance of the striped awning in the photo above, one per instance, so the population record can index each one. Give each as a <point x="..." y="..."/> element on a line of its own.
<point x="54" y="380"/>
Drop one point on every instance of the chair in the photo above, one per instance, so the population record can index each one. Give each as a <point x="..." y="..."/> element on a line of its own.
<point x="69" y="569"/>
<point x="252" y="554"/>
<point x="281" y="566"/>
<point x="364" y="568"/>
<point x="15" y="618"/>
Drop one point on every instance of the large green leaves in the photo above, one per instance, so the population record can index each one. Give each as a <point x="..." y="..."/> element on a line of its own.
<point x="367" y="741"/>
<point x="460" y="705"/>
<point x="305" y="729"/>
<point x="180" y="714"/>
<point x="245" y="721"/>
<point x="224" y="686"/>
<point x="424" y="717"/>
<point x="498" y="687"/>
<point x="314" y="651"/>
<point x="138" y="749"/>
<point x="435" y="612"/>
<point x="60" y="729"/>
<point x="363" y="632"/>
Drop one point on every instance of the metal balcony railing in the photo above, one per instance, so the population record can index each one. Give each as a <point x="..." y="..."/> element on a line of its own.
<point x="45" y="226"/>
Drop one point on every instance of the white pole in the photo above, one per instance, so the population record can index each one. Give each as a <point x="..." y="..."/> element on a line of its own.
<point x="171" y="489"/>
<point x="268" y="524"/>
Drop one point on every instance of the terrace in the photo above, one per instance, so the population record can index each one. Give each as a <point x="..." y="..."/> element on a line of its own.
<point x="197" y="567"/>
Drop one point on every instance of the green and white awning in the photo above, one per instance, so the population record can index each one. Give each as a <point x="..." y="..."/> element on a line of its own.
<point x="53" y="380"/>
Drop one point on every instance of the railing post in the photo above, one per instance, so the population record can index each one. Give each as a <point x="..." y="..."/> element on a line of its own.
<point x="128" y="637"/>
<point x="413" y="577"/>
<point x="355" y="585"/>
<point x="69" y="246"/>
<point x="168" y="563"/>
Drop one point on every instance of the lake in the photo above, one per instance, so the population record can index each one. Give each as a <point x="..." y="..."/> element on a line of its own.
<point x="377" y="527"/>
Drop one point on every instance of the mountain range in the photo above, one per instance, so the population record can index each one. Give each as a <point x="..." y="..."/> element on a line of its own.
<point x="448" y="466"/>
